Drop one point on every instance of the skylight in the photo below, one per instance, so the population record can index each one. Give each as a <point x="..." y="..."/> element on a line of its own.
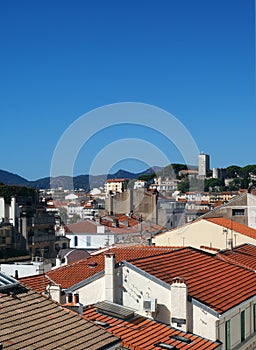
<point x="165" y="346"/>
<point x="180" y="338"/>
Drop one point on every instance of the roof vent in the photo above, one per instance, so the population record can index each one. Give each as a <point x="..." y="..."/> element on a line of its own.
<point x="100" y="323"/>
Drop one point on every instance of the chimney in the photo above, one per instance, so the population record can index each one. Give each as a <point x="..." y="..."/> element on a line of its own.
<point x="110" y="261"/>
<point x="58" y="261"/>
<point x="76" y="298"/>
<point x="179" y="304"/>
<point x="54" y="292"/>
<point x="24" y="230"/>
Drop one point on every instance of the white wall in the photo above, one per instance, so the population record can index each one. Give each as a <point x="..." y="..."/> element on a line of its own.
<point x="25" y="270"/>
<point x="204" y="323"/>
<point x="201" y="233"/>
<point x="97" y="240"/>
<point x="136" y="287"/>
<point x="92" y="292"/>
<point x="2" y="208"/>
<point x="251" y="201"/>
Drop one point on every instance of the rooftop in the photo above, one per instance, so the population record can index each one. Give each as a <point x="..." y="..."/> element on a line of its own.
<point x="86" y="226"/>
<point x="116" y="180"/>
<point x="71" y="274"/>
<point x="31" y="321"/>
<point x="233" y="225"/>
<point x="243" y="255"/>
<point x="143" y="333"/>
<point x="211" y="281"/>
<point x="221" y="221"/>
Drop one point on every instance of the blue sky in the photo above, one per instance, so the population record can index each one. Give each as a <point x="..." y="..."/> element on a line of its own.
<point x="60" y="59"/>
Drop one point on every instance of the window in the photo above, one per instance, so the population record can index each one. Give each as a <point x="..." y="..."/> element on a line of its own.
<point x="242" y="326"/>
<point x="254" y="317"/>
<point x="237" y="212"/>
<point x="75" y="241"/>
<point x="88" y="241"/>
<point x="227" y="335"/>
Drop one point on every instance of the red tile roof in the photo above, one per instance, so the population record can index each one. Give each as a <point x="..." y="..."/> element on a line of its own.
<point x="221" y="221"/>
<point x="142" y="333"/>
<point x="215" y="283"/>
<point x="243" y="255"/>
<point x="117" y="180"/>
<point x="235" y="226"/>
<point x="86" y="226"/>
<point x="69" y="275"/>
<point x="37" y="282"/>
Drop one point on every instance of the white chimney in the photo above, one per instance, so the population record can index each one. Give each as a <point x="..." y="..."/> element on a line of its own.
<point x="179" y="304"/>
<point x="54" y="292"/>
<point x="110" y="261"/>
<point x="58" y="261"/>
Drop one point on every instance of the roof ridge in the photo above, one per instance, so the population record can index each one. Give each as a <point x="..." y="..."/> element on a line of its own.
<point x="233" y="261"/>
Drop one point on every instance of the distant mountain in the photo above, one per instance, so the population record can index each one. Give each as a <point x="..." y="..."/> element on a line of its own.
<point x="81" y="181"/>
<point x="8" y="178"/>
<point x="85" y="182"/>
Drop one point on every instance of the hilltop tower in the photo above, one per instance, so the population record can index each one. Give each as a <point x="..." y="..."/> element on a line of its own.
<point x="203" y="165"/>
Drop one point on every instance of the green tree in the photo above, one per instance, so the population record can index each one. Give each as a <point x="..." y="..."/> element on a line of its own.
<point x="29" y="195"/>
<point x="214" y="185"/>
<point x="247" y="170"/>
<point x="147" y="177"/>
<point x="237" y="184"/>
<point x="183" y="186"/>
<point x="233" y="171"/>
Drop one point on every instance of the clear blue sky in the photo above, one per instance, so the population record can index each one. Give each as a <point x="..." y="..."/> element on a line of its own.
<point x="62" y="58"/>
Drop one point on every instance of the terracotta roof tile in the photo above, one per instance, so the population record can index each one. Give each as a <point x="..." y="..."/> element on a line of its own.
<point x="233" y="225"/>
<point x="37" y="282"/>
<point x="243" y="255"/>
<point x="78" y="271"/>
<point x="87" y="226"/>
<point x="213" y="282"/>
<point x="142" y="333"/>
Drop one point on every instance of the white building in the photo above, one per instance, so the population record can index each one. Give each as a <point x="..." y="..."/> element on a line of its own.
<point x="8" y="212"/>
<point x="188" y="289"/>
<point x="18" y="270"/>
<point x="89" y="235"/>
<point x="115" y="185"/>
<point x="164" y="184"/>
<point x="139" y="184"/>
<point x="203" y="165"/>
<point x="218" y="233"/>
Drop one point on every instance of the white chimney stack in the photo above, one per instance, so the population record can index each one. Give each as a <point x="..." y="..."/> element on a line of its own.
<point x="110" y="261"/>
<point x="179" y="304"/>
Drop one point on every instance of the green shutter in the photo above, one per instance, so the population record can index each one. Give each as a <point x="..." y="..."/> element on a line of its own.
<point x="242" y="326"/>
<point x="254" y="317"/>
<point x="227" y="330"/>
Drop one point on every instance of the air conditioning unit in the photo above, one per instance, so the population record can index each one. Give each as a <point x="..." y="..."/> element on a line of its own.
<point x="149" y="304"/>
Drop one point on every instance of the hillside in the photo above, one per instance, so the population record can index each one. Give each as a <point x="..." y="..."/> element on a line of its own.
<point x="81" y="181"/>
<point x="8" y="178"/>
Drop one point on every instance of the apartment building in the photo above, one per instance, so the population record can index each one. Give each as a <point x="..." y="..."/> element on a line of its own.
<point x="115" y="185"/>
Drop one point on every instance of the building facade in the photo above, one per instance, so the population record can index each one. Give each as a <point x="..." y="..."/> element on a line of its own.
<point x="203" y="165"/>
